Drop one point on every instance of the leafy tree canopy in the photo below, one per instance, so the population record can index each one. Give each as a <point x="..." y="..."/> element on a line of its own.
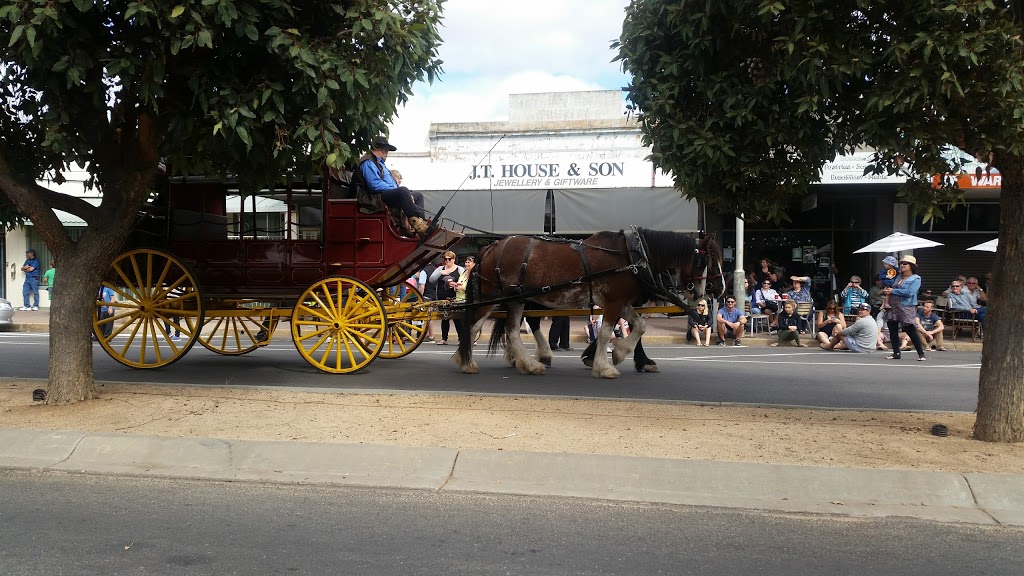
<point x="255" y="88"/>
<point x="745" y="100"/>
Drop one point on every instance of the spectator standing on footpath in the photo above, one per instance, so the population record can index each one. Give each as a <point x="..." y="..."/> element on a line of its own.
<point x="902" y="312"/>
<point x="930" y="326"/>
<point x="445" y="276"/>
<point x="30" y="289"/>
<point x="558" y="334"/>
<point x="429" y="291"/>
<point x="49" y="277"/>
<point x="103" y="312"/>
<point x="460" y="285"/>
<point x="875" y="296"/>
<point x="860" y="336"/>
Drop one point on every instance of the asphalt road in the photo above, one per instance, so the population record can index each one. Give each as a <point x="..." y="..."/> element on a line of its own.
<point x="948" y="381"/>
<point x="71" y="524"/>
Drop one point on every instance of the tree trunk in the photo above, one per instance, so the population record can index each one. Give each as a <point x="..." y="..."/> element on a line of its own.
<point x="80" y="268"/>
<point x="1001" y="386"/>
<point x="78" y="277"/>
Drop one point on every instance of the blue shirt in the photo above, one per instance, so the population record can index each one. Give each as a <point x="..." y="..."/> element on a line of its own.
<point x="907" y="290"/>
<point x="106" y="294"/>
<point x="34" y="263"/>
<point x="733" y="316"/>
<point x="852" y="298"/>
<point x="377" y="179"/>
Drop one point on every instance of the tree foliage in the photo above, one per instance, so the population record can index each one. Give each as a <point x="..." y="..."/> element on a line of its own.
<point x="249" y="87"/>
<point x="745" y="100"/>
<point x="265" y="91"/>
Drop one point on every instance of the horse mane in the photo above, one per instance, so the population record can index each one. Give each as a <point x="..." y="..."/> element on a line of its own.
<point x="714" y="251"/>
<point x="669" y="249"/>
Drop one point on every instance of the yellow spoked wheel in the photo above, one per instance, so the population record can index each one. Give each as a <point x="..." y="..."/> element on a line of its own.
<point x="148" y="310"/>
<point x="407" y="324"/>
<point x="237" y="332"/>
<point x="338" y="325"/>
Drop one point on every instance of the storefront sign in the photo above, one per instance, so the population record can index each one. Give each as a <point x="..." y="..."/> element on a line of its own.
<point x="981" y="180"/>
<point x="850" y="170"/>
<point x="566" y="174"/>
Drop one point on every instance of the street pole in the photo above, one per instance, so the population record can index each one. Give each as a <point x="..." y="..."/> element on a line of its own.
<point x="738" y="291"/>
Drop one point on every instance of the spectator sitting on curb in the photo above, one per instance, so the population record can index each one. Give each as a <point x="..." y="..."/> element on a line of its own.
<point x="930" y="326"/>
<point x="860" y="336"/>
<point x="789" y="325"/>
<point x="730" y="321"/>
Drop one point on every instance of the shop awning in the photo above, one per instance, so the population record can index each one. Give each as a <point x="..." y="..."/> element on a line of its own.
<point x="579" y="211"/>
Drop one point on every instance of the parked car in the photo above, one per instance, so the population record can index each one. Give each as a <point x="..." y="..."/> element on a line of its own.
<point x="6" y="312"/>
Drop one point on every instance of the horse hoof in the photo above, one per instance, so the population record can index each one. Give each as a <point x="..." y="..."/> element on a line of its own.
<point x="609" y="374"/>
<point x="618" y="357"/>
<point x="588" y="361"/>
<point x="545" y="361"/>
<point x="472" y="368"/>
<point x="653" y="368"/>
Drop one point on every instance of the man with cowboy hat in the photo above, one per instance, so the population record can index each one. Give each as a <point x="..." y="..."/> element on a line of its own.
<point x="380" y="181"/>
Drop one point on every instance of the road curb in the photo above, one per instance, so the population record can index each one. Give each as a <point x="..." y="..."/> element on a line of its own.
<point x="940" y="496"/>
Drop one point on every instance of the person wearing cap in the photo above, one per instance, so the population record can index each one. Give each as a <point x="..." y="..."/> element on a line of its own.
<point x="902" y="312"/>
<point x="30" y="289"/>
<point x="379" y="180"/>
<point x="857" y="337"/>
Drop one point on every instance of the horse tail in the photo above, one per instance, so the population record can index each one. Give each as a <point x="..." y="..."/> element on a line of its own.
<point x="497" y="335"/>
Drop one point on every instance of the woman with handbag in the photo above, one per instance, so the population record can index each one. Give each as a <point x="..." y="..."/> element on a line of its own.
<point x="445" y="277"/>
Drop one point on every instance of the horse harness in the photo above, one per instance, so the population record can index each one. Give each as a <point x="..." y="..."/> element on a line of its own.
<point x="517" y="292"/>
<point x="636" y="249"/>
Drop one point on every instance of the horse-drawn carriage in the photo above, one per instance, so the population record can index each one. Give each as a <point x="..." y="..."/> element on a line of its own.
<point x="212" y="265"/>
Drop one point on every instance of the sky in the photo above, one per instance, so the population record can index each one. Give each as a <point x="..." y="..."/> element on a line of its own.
<point x="493" y="48"/>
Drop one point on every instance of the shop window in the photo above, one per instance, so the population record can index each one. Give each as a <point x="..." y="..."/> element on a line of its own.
<point x="973" y="217"/>
<point x="983" y="218"/>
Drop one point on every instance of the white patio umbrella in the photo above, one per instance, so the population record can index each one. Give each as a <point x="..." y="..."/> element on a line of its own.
<point x="989" y="246"/>
<point x="898" y="242"/>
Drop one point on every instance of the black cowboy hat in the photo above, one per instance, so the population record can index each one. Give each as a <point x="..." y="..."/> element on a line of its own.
<point x="381" y="143"/>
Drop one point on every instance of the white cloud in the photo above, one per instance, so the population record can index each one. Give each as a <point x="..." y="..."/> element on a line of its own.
<point x="493" y="48"/>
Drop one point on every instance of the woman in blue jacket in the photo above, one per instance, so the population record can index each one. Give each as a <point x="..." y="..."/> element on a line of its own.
<point x="903" y="307"/>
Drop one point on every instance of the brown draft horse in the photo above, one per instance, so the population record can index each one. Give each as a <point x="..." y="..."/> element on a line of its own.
<point x="560" y="274"/>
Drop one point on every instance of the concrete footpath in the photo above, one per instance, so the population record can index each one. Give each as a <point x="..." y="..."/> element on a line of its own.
<point x="937" y="496"/>
<point x="661" y="330"/>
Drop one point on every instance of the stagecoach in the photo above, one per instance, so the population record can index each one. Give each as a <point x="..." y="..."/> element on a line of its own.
<point x="224" y="268"/>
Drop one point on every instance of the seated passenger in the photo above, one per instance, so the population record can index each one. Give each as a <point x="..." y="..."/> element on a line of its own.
<point x="853" y="295"/>
<point x="828" y="320"/>
<point x="789" y="325"/>
<point x="379" y="180"/>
